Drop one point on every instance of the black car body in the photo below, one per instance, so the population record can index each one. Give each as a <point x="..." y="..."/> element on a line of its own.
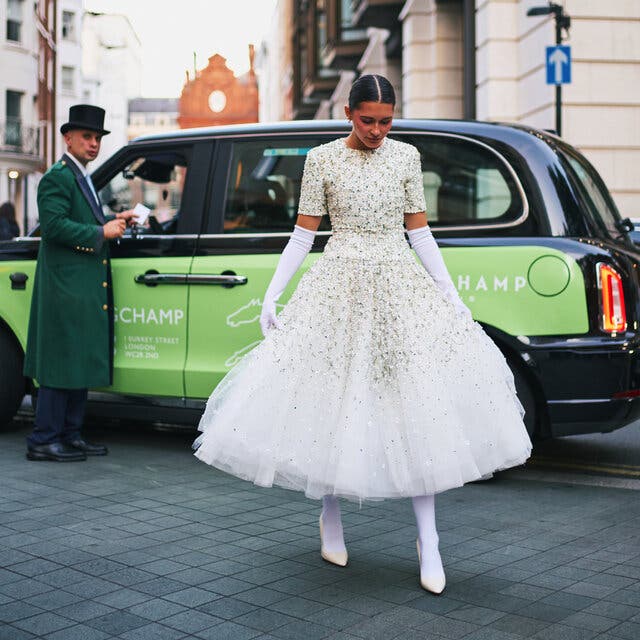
<point x="495" y="190"/>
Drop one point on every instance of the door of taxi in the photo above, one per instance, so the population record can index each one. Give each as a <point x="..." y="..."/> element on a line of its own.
<point x="150" y="265"/>
<point x="253" y="210"/>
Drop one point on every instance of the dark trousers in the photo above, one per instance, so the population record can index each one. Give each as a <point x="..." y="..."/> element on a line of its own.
<point x="59" y="415"/>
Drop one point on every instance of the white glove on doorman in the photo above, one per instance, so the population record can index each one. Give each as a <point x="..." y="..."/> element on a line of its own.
<point x="292" y="257"/>
<point x="422" y="242"/>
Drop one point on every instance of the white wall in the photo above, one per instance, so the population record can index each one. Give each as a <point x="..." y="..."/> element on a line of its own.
<point x="431" y="59"/>
<point x="69" y="55"/>
<point x="112" y="73"/>
<point x="601" y="107"/>
<point x="274" y="66"/>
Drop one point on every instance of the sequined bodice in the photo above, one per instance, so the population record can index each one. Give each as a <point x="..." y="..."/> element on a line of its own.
<point x="365" y="193"/>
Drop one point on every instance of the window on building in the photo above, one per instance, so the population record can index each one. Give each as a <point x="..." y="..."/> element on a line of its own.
<point x="68" y="79"/>
<point x="68" y="25"/>
<point x="347" y="31"/>
<point x="13" y="129"/>
<point x="14" y="20"/>
<point x="313" y="79"/>
<point x="137" y="120"/>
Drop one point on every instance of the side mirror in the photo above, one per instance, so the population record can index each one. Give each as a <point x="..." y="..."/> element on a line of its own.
<point x="625" y="225"/>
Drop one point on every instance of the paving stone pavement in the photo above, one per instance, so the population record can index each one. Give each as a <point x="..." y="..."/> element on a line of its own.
<point x="150" y="544"/>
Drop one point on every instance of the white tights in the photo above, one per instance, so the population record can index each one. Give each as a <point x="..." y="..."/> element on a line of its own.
<point x="424" y="509"/>
<point x="430" y="561"/>
<point x="333" y="537"/>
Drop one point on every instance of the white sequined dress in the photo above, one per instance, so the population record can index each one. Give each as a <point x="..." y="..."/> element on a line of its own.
<point x="373" y="387"/>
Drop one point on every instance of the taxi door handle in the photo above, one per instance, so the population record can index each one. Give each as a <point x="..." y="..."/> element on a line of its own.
<point x="153" y="278"/>
<point x="224" y="279"/>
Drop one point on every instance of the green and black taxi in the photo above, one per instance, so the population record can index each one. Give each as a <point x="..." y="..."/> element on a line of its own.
<point x="529" y="232"/>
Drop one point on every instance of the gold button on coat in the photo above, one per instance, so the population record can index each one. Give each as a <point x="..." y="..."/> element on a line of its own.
<point x="104" y="261"/>
<point x="105" y="307"/>
<point x="104" y="284"/>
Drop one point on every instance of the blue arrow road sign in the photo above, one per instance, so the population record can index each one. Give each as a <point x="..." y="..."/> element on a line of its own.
<point x="558" y="65"/>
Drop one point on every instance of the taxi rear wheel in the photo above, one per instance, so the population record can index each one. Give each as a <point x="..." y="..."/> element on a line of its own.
<point x="12" y="381"/>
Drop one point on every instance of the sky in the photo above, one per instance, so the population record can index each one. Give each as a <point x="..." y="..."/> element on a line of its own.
<point x="170" y="32"/>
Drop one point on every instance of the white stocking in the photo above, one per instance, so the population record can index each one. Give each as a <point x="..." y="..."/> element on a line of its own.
<point x="333" y="537"/>
<point x="431" y="563"/>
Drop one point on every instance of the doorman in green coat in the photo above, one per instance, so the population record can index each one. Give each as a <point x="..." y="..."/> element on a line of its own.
<point x="70" y="339"/>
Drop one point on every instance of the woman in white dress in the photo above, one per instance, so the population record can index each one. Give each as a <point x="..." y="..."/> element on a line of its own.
<point x="374" y="382"/>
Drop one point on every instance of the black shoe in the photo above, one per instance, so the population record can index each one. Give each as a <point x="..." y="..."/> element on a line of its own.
<point x="56" y="451"/>
<point x="87" y="448"/>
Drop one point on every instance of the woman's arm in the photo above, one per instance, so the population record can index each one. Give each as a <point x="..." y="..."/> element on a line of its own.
<point x="415" y="220"/>
<point x="422" y="241"/>
<point x="310" y="222"/>
<point x="313" y="201"/>
<point x="292" y="257"/>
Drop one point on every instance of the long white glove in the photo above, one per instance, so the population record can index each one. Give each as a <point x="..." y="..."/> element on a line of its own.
<point x="292" y="257"/>
<point x="422" y="242"/>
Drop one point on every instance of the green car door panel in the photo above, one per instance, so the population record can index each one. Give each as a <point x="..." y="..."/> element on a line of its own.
<point x="15" y="304"/>
<point x="150" y="327"/>
<point x="523" y="290"/>
<point x="223" y="321"/>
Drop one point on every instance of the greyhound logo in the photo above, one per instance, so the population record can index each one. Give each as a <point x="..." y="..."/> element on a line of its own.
<point x="248" y="313"/>
<point x="234" y="358"/>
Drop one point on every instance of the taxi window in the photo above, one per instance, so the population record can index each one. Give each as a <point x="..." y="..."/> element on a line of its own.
<point x="155" y="179"/>
<point x="465" y="183"/>
<point x="264" y="185"/>
<point x="594" y="192"/>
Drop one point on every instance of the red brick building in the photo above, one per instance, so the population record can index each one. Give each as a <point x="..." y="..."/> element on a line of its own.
<point x="215" y="96"/>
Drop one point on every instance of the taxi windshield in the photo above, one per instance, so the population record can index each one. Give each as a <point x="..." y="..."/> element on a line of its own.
<point x="594" y="192"/>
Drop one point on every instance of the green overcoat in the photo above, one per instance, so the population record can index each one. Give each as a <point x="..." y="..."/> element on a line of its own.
<point x="70" y="338"/>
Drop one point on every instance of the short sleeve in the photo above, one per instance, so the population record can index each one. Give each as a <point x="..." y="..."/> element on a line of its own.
<point x="413" y="186"/>
<point x="313" y="201"/>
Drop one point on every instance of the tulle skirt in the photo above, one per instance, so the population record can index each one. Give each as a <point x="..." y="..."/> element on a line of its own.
<point x="372" y="388"/>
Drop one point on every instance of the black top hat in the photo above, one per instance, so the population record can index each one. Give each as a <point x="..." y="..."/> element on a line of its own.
<point x="85" y="116"/>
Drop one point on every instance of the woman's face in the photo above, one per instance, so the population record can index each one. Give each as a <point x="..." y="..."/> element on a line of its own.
<point x="371" y="122"/>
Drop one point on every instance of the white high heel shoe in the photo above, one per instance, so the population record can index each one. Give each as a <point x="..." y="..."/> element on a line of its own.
<point x="339" y="558"/>
<point x="434" y="583"/>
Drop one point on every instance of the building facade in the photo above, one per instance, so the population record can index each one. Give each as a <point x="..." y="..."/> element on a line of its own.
<point x="68" y="59"/>
<point x="21" y="142"/>
<point x="480" y="59"/>
<point x="215" y="96"/>
<point x="112" y="72"/>
<point x="152" y="115"/>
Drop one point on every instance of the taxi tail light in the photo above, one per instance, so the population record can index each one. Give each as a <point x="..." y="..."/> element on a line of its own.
<point x="631" y="393"/>
<point x="613" y="315"/>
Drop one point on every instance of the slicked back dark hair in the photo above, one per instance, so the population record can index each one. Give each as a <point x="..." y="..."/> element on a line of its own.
<point x="371" y="88"/>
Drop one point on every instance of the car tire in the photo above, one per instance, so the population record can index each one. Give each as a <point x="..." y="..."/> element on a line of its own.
<point x="527" y="399"/>
<point x="12" y="381"/>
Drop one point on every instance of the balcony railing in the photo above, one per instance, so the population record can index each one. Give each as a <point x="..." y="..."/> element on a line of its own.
<point x="376" y="13"/>
<point x="15" y="137"/>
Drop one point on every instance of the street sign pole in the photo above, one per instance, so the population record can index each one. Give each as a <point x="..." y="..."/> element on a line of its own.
<point x="559" y="57"/>
<point x="558" y="85"/>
